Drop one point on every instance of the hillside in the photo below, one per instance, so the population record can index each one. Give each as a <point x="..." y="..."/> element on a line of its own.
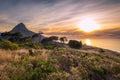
<point x="63" y="63"/>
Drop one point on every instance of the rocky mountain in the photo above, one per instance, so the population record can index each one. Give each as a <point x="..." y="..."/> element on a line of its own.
<point x="23" y="30"/>
<point x="26" y="32"/>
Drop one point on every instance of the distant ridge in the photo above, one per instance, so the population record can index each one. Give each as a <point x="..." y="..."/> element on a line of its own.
<point x="23" y="30"/>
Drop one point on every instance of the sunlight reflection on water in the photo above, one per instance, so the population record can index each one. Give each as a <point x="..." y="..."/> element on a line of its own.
<point x="112" y="44"/>
<point x="87" y="42"/>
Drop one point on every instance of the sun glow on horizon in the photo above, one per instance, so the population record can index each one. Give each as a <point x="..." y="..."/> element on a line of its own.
<point x="88" y="25"/>
<point x="87" y="42"/>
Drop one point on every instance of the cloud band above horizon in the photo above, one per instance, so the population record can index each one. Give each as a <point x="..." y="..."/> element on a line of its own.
<point x="63" y="15"/>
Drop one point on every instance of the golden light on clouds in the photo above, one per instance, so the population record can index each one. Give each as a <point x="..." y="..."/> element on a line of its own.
<point x="88" y="25"/>
<point x="64" y="17"/>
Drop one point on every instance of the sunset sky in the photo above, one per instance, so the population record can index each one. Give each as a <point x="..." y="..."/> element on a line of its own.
<point x="61" y="17"/>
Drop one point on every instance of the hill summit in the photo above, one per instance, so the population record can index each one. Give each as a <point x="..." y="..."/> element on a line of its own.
<point x="22" y="29"/>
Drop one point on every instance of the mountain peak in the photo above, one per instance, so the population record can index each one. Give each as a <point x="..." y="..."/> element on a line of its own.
<point x="22" y="29"/>
<point x="21" y="25"/>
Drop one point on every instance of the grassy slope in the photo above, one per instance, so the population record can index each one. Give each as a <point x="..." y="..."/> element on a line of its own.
<point x="89" y="63"/>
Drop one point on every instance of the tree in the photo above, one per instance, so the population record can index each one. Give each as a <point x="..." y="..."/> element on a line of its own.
<point x="45" y="41"/>
<point x="26" y="39"/>
<point x="5" y="34"/>
<point x="15" y="37"/>
<point x="75" y="44"/>
<point x="49" y="39"/>
<point x="53" y="38"/>
<point x="63" y="39"/>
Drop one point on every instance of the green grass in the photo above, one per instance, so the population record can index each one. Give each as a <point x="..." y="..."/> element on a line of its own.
<point x="5" y="44"/>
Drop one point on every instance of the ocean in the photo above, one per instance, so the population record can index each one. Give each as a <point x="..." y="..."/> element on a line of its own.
<point x="111" y="44"/>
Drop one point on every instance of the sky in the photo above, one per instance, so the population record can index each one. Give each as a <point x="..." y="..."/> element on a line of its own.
<point x="61" y="17"/>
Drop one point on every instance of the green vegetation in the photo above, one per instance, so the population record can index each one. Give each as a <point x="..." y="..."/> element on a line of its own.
<point x="24" y="69"/>
<point x="31" y="45"/>
<point x="52" y="60"/>
<point x="13" y="37"/>
<point x="116" y="70"/>
<point x="5" y="44"/>
<point x="58" y="64"/>
<point x="49" y="47"/>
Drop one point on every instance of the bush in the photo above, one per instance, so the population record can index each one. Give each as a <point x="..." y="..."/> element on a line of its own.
<point x="5" y="44"/>
<point x="31" y="45"/>
<point x="49" y="47"/>
<point x="34" y="45"/>
<point x="75" y="44"/>
<point x="98" y="72"/>
<point x="31" y="53"/>
<point x="101" y="50"/>
<point x="116" y="70"/>
<point x="46" y="41"/>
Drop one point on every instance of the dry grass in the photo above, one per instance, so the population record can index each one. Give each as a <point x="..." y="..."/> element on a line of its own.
<point x="5" y="56"/>
<point x="70" y="64"/>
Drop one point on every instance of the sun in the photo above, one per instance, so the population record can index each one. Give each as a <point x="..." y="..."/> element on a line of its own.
<point x="88" y="25"/>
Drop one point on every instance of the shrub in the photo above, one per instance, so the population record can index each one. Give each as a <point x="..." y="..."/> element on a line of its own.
<point x="116" y="70"/>
<point x="101" y="50"/>
<point x="31" y="45"/>
<point x="98" y="72"/>
<point x="75" y="44"/>
<point x="31" y="53"/>
<point x="34" y="45"/>
<point x="53" y="38"/>
<point x="46" y="41"/>
<point x="49" y="47"/>
<point x="5" y="34"/>
<point x="5" y="44"/>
